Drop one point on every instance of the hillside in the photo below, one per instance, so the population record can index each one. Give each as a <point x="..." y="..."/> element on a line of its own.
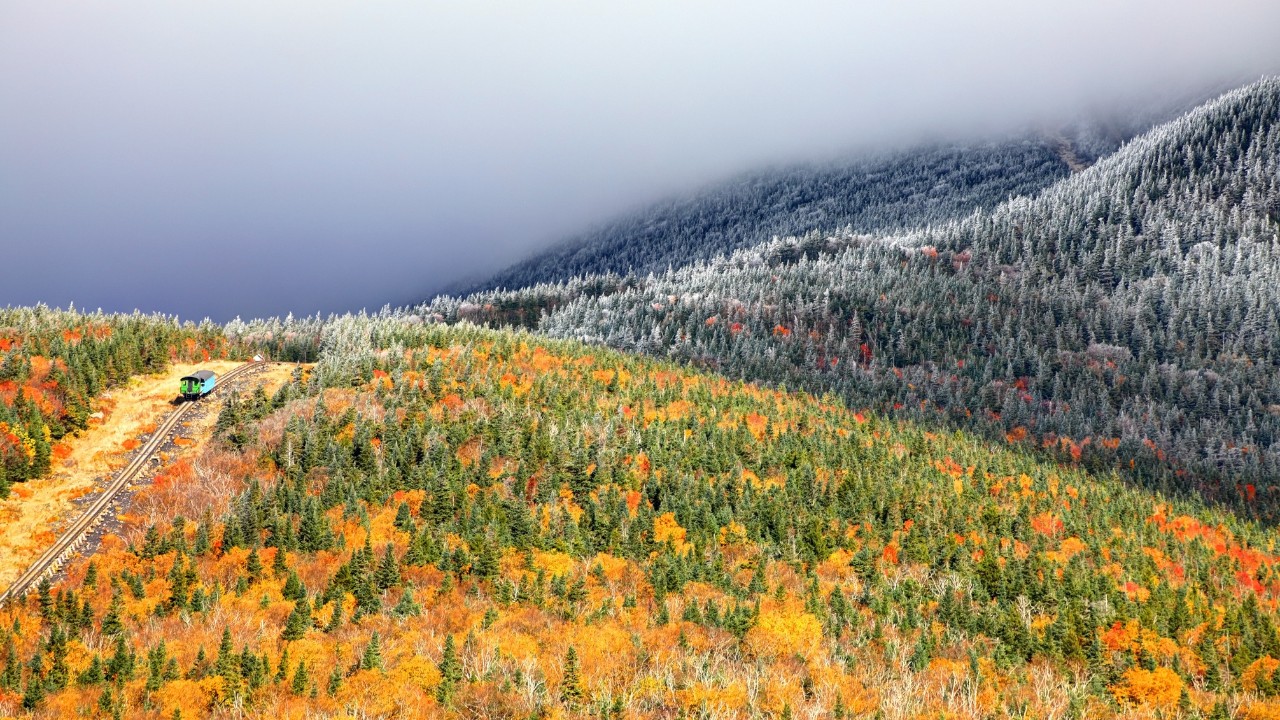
<point x="448" y="522"/>
<point x="54" y="363"/>
<point x="1125" y="317"/>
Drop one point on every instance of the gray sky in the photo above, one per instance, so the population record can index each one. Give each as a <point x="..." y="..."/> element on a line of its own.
<point x="255" y="158"/>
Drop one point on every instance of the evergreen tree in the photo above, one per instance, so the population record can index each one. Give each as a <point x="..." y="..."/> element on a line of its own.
<point x="301" y="679"/>
<point x="298" y="622"/>
<point x="34" y="694"/>
<point x="571" y="692"/>
<point x="407" y="607"/>
<point x="387" y="575"/>
<point x="450" y="672"/>
<point x="335" y="681"/>
<point x="254" y="566"/>
<point x="371" y="659"/>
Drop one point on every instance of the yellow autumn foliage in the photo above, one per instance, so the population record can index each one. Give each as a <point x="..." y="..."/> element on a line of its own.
<point x="1157" y="688"/>
<point x="784" y="632"/>
<point x="1264" y="666"/>
<point x="1260" y="711"/>
<point x="667" y="529"/>
<point x="415" y="671"/>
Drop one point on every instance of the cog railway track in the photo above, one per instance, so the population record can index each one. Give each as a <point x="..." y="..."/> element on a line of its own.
<point x="74" y="536"/>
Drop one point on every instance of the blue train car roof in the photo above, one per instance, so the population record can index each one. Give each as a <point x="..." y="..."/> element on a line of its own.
<point x="201" y="375"/>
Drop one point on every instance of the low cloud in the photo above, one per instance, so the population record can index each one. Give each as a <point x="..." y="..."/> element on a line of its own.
<point x="258" y="158"/>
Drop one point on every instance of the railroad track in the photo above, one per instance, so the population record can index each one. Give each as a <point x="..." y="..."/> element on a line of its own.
<point x="71" y="540"/>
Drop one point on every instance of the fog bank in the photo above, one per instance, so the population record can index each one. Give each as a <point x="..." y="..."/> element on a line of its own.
<point x="248" y="158"/>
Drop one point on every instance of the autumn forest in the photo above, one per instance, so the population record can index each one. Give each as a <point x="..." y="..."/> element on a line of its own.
<point x="467" y="522"/>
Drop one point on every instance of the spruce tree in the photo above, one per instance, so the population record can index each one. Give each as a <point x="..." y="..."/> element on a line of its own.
<point x="253" y="567"/>
<point x="486" y="565"/>
<point x="407" y="607"/>
<point x="34" y="694"/>
<point x="298" y="622"/>
<point x="226" y="664"/>
<point x="571" y="692"/>
<point x="387" y="575"/>
<point x="335" y="619"/>
<point x="450" y="672"/>
<point x="282" y="670"/>
<point x="93" y="674"/>
<point x="293" y="588"/>
<point x="120" y="666"/>
<point x="404" y="519"/>
<point x="278" y="564"/>
<point x="335" y="680"/>
<point x="371" y="659"/>
<point x="301" y="679"/>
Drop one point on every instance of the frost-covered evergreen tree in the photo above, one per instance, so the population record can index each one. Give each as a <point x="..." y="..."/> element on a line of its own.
<point x="1126" y="316"/>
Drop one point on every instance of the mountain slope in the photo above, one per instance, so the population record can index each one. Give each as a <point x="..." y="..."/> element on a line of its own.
<point x="451" y="522"/>
<point x="1126" y="316"/>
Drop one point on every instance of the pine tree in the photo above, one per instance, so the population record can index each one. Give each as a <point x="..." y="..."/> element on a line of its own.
<point x="254" y="566"/>
<point x="407" y="607"/>
<point x="450" y="672"/>
<point x="371" y="659"/>
<point x="387" y="575"/>
<point x="571" y="693"/>
<point x="298" y="622"/>
<point x="301" y="679"/>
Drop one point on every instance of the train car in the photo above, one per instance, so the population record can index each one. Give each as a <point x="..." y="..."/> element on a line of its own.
<point x="198" y="384"/>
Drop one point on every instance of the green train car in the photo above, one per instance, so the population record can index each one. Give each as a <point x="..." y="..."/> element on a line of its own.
<point x="198" y="384"/>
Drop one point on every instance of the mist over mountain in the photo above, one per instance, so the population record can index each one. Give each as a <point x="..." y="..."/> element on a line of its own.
<point x="891" y="191"/>
<point x="907" y="190"/>
<point x="345" y="157"/>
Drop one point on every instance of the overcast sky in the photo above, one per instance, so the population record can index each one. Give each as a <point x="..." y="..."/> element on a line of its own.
<point x="255" y="158"/>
